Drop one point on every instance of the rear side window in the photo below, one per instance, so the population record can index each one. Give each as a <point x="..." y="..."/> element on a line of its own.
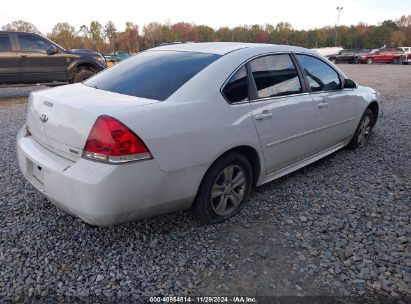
<point x="275" y="75"/>
<point x="152" y="74"/>
<point x="5" y="45"/>
<point x="32" y="43"/>
<point x="321" y="77"/>
<point x="236" y="89"/>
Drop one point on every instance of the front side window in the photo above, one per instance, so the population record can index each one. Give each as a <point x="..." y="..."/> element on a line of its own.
<point x="152" y="74"/>
<point x="321" y="77"/>
<point x="5" y="45"/>
<point x="30" y="43"/>
<point x="236" y="89"/>
<point x="275" y="75"/>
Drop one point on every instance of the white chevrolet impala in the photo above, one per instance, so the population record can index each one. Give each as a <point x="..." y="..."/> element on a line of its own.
<point x="188" y="126"/>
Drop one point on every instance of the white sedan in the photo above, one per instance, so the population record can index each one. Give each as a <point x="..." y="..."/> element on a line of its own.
<point x="188" y="126"/>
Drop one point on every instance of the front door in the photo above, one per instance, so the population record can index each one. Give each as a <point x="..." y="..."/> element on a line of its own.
<point x="36" y="65"/>
<point x="283" y="113"/>
<point x="335" y="108"/>
<point x="9" y="61"/>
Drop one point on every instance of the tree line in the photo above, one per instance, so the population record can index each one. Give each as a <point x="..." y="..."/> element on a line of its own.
<point x="107" y="38"/>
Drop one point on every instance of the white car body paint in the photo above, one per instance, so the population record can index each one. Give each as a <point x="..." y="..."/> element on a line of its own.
<point x="185" y="134"/>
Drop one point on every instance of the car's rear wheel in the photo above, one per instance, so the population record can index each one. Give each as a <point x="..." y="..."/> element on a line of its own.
<point x="395" y="61"/>
<point x="224" y="189"/>
<point x="370" y="61"/>
<point x="363" y="131"/>
<point x="82" y="75"/>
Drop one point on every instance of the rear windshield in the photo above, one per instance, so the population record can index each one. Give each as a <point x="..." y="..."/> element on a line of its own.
<point x="152" y="74"/>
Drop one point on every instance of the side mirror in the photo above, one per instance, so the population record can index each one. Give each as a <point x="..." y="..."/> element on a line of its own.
<point x="52" y="50"/>
<point x="349" y="84"/>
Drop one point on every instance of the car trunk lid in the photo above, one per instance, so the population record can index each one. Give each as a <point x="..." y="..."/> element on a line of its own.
<point x="60" y="119"/>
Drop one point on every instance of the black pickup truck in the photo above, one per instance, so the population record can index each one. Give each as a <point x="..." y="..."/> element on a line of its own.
<point x="348" y="55"/>
<point x="31" y="58"/>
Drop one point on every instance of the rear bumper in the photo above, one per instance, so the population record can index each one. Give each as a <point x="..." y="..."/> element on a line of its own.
<point x="103" y="194"/>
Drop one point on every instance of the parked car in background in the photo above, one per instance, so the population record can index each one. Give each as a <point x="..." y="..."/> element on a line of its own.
<point x="325" y="51"/>
<point x="32" y="58"/>
<point x="348" y="55"/>
<point x="383" y="55"/>
<point x="189" y="126"/>
<point x="406" y="49"/>
<point x="116" y="57"/>
<point x="405" y="58"/>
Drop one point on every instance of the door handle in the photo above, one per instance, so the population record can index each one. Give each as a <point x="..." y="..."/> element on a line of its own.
<point x="23" y="57"/>
<point x="263" y="116"/>
<point x="322" y="105"/>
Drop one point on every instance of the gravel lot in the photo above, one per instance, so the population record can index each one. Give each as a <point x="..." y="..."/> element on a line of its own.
<point x="18" y="91"/>
<point x="340" y="227"/>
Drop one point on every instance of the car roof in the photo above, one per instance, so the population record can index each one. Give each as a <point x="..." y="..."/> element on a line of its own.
<point x="222" y="48"/>
<point x="16" y="32"/>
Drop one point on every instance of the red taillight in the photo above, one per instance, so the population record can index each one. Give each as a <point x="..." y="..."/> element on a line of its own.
<point x="111" y="141"/>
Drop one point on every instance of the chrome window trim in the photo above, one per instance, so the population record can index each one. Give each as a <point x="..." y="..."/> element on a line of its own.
<point x="279" y="97"/>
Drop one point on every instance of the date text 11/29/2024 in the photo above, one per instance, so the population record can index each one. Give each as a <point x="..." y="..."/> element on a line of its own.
<point x="174" y="299"/>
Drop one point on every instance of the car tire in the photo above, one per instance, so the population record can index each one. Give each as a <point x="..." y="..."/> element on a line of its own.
<point x="82" y="75"/>
<point x="370" y="61"/>
<point x="395" y="61"/>
<point x="363" y="131"/>
<point x="221" y="196"/>
<point x="333" y="60"/>
<point x="356" y="61"/>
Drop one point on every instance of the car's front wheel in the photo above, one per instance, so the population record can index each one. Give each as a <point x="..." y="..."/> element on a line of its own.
<point x="224" y="189"/>
<point x="370" y="61"/>
<point x="363" y="131"/>
<point x="82" y="75"/>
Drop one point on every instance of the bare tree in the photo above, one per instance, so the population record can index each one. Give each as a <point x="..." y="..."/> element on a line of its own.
<point x="110" y="32"/>
<point x="21" y="26"/>
<point x="96" y="35"/>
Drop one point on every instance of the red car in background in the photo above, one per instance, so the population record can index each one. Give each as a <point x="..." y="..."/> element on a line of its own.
<point x="383" y="55"/>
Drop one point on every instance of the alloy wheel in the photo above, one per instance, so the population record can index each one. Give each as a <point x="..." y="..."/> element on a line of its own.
<point x="364" y="131"/>
<point x="228" y="190"/>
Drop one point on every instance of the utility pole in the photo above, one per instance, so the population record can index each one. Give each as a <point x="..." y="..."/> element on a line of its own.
<point x="339" y="9"/>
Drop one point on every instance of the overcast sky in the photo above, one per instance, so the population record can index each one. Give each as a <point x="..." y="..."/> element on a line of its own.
<point x="302" y="14"/>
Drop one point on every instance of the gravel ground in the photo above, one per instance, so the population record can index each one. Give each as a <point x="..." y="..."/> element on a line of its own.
<point x="18" y="91"/>
<point x="340" y="227"/>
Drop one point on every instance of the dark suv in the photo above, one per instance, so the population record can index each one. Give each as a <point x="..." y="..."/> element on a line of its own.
<point x="32" y="58"/>
<point x="349" y="55"/>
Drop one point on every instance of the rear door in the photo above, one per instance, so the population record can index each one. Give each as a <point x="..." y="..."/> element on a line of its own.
<point x="9" y="61"/>
<point x="380" y="56"/>
<point x="335" y="109"/>
<point x="36" y="65"/>
<point x="283" y="111"/>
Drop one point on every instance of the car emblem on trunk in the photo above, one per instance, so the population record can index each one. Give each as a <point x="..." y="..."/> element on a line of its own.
<point x="44" y="118"/>
<point x="48" y="103"/>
